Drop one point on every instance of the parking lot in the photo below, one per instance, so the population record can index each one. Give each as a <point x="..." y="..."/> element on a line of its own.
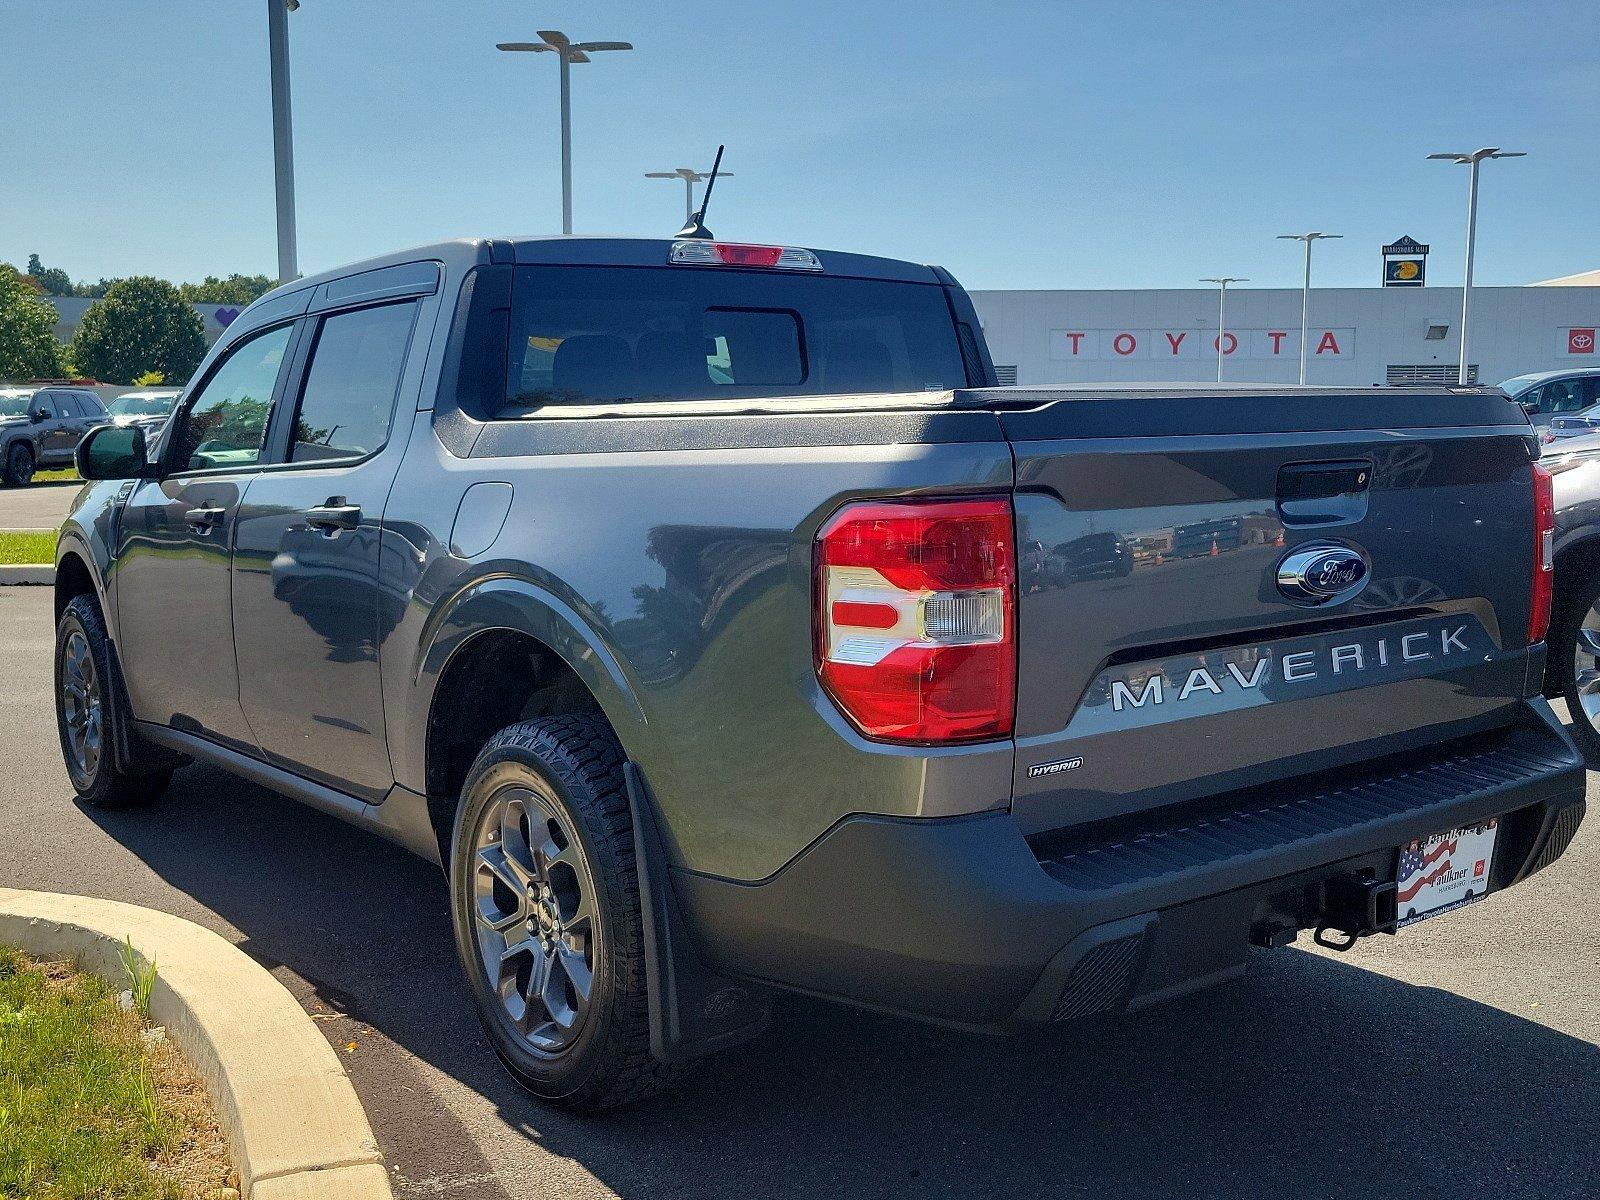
<point x="37" y="506"/>
<point x="1459" y="1059"/>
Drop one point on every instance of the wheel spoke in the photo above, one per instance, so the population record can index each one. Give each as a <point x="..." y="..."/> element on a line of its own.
<point x="578" y="973"/>
<point x="1589" y="642"/>
<point x="493" y="859"/>
<point x="1588" y="682"/>
<point x="535" y="1011"/>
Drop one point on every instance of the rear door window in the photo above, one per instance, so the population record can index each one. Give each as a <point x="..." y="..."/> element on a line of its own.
<point x="347" y="402"/>
<point x="604" y="335"/>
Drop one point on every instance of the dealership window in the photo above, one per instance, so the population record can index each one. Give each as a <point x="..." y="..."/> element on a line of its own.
<point x="1426" y="374"/>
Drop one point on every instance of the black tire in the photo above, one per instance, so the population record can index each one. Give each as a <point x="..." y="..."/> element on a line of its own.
<point x="19" y="464"/>
<point x="99" y="779"/>
<point x="569" y="768"/>
<point x="1571" y="607"/>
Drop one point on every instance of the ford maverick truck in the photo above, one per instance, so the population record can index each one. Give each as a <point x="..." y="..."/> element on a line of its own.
<point x="711" y="618"/>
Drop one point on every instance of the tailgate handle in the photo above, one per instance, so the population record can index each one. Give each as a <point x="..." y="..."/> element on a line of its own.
<point x="1323" y="493"/>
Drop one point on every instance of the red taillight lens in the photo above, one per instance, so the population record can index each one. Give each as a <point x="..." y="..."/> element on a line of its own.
<point x="1544" y="554"/>
<point x="916" y="631"/>
<point x="737" y="255"/>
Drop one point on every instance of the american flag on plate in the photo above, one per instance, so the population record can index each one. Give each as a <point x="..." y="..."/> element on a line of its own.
<point x="1444" y="871"/>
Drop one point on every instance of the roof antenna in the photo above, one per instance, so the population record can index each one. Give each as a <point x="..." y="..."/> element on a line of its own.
<point x="696" y="228"/>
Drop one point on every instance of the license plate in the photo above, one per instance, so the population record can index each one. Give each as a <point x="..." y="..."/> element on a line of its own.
<point x="1444" y="871"/>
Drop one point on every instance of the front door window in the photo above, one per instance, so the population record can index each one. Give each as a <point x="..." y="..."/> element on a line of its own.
<point x="226" y="424"/>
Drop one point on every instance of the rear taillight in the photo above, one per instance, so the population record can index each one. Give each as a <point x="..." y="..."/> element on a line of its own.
<point x="1544" y="555"/>
<point x="916" y="629"/>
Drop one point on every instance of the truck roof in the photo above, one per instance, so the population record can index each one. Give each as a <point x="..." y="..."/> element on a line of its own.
<point x="462" y="254"/>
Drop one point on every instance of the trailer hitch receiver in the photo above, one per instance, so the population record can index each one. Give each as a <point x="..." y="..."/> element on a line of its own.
<point x="1355" y="906"/>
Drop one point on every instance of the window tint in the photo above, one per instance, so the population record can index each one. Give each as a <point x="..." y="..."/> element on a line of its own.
<point x="225" y="424"/>
<point x="583" y="335"/>
<point x="348" y="398"/>
<point x="44" y="403"/>
<point x="91" y="405"/>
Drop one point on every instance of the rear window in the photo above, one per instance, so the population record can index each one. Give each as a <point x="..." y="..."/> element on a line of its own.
<point x="600" y="335"/>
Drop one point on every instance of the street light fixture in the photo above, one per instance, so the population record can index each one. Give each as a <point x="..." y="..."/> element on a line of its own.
<point x="569" y="52"/>
<point x="1305" y="293"/>
<point x="282" y="134"/>
<point x="690" y="177"/>
<point x="1472" y="160"/>
<point x="1222" y="282"/>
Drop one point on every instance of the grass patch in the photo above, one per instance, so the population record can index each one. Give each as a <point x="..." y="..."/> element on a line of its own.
<point x="89" y="1105"/>
<point x="27" y="546"/>
<point x="60" y="475"/>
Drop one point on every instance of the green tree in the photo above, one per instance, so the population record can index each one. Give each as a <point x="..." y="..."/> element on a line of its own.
<point x="28" y="347"/>
<point x="53" y="281"/>
<point x="141" y="325"/>
<point x="235" y="289"/>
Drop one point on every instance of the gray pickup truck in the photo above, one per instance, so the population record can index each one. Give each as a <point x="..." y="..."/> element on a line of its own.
<point x="710" y="617"/>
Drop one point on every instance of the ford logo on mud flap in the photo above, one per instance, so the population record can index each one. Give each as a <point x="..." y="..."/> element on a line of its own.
<point x="1322" y="573"/>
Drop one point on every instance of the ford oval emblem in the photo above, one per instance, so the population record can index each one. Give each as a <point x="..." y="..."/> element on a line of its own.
<point x="1323" y="573"/>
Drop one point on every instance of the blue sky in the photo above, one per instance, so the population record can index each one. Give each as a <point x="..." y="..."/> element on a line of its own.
<point x="1021" y="144"/>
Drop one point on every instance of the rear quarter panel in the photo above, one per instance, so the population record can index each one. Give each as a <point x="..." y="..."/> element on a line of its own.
<point x="673" y="572"/>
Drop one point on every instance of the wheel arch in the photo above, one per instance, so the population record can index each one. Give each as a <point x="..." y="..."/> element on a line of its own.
<point x="505" y="650"/>
<point x="76" y="576"/>
<point x="1577" y="557"/>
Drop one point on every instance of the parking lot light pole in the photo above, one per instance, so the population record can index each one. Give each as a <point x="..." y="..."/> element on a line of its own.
<point x="282" y="134"/>
<point x="569" y="52"/>
<point x="1471" y="161"/>
<point x="690" y="177"/>
<point x="1222" y="283"/>
<point x="1305" y="291"/>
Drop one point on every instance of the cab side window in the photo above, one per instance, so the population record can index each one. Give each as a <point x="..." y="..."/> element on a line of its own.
<point x="227" y="421"/>
<point x="1560" y="396"/>
<point x="347" y="402"/>
<point x="44" y="405"/>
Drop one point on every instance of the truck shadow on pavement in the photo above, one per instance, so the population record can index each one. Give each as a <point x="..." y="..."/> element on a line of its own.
<point x="1311" y="1077"/>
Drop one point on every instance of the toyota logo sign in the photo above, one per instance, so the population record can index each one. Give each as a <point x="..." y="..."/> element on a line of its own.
<point x="1580" y="341"/>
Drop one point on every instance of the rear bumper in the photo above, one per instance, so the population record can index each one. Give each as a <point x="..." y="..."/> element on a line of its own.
<point x="965" y="921"/>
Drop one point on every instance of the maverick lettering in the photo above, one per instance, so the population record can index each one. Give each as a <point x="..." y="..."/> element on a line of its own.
<point x="1300" y="666"/>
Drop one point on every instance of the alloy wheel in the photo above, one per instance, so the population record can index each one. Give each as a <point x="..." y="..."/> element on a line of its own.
<point x="536" y="926"/>
<point x="81" y="704"/>
<point x="1586" y="665"/>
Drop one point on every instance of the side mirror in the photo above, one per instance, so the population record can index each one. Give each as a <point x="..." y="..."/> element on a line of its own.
<point x="38" y="416"/>
<point x="113" y="452"/>
<point x="1530" y="407"/>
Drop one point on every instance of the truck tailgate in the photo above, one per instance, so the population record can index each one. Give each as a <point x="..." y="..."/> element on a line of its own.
<point x="1162" y="659"/>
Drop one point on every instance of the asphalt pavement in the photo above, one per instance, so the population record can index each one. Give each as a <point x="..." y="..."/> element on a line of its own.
<point x="37" y="506"/>
<point x="1459" y="1059"/>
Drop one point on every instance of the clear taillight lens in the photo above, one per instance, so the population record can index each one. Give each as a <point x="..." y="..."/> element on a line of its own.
<point x="1544" y="554"/>
<point x="916" y="627"/>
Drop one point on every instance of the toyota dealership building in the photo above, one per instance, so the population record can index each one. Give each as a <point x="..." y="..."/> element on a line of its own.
<point x="1358" y="335"/>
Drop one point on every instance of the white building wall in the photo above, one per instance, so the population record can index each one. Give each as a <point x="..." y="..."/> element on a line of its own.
<point x="1125" y="336"/>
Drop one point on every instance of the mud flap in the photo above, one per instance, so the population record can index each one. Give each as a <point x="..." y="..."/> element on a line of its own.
<point x="694" y="1011"/>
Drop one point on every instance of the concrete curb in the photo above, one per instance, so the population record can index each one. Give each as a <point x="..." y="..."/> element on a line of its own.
<point x="10" y="573"/>
<point x="295" y="1128"/>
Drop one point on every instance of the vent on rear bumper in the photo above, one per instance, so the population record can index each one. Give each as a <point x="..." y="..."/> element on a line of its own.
<point x="1102" y="980"/>
<point x="1270" y="822"/>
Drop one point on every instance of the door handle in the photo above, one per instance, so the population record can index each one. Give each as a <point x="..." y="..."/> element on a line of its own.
<point x="332" y="517"/>
<point x="204" y="519"/>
